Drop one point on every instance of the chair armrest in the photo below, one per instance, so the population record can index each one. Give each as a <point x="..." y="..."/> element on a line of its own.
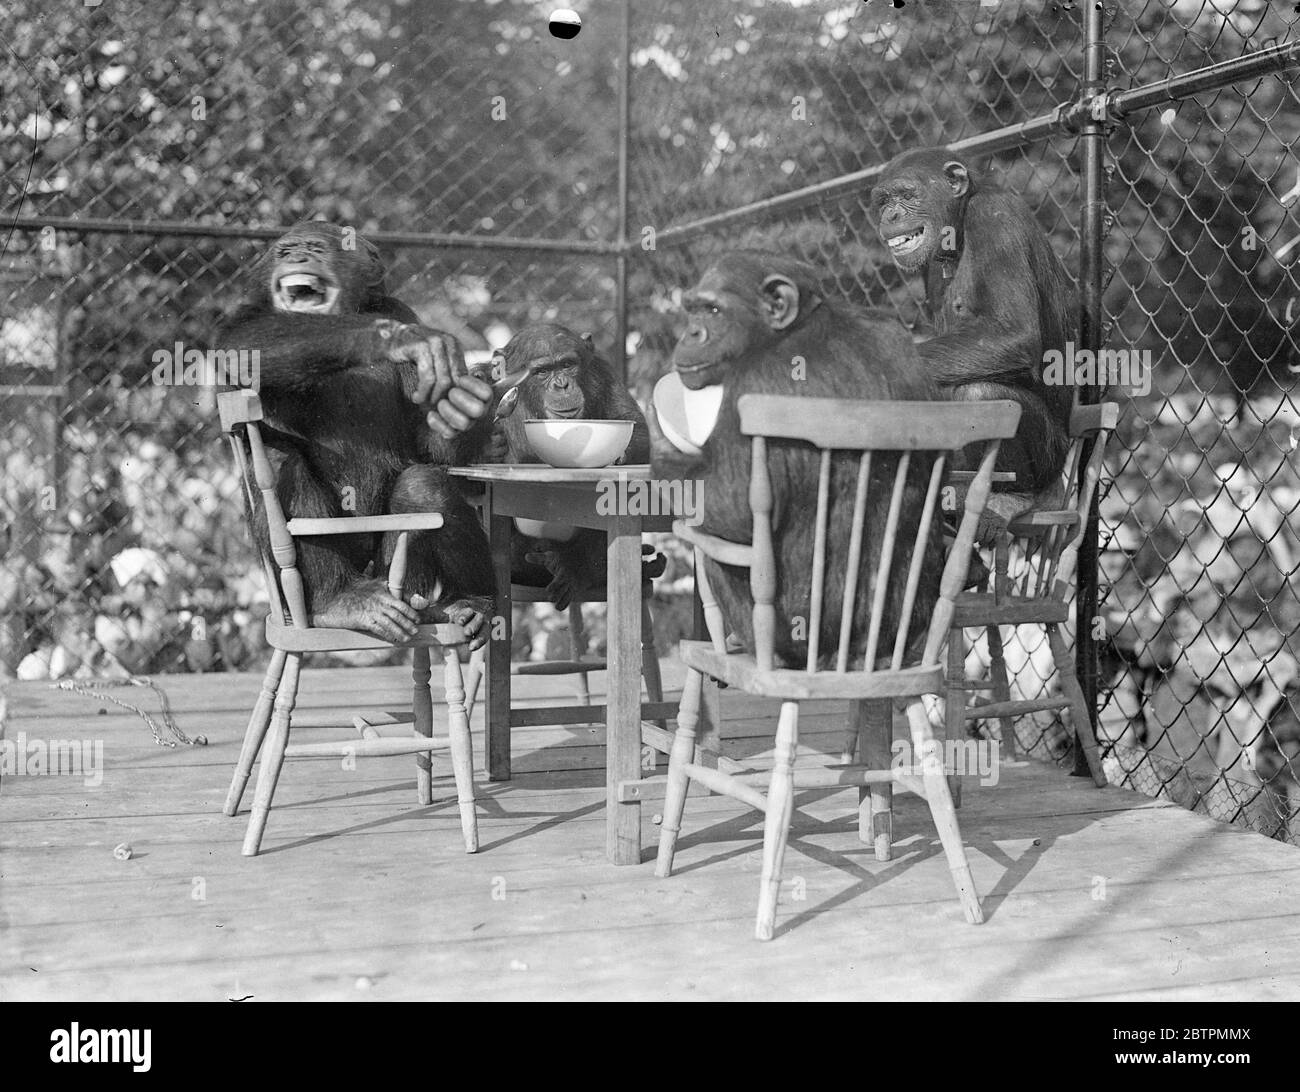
<point x="239" y="407"/>
<point x="719" y="549"/>
<point x="1038" y="520"/>
<point x="965" y="477"/>
<point x="360" y="525"/>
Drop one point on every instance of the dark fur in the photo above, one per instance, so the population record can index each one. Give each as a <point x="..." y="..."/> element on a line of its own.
<point x="848" y="354"/>
<point x="998" y="302"/>
<point x="339" y="415"/>
<point x="559" y="360"/>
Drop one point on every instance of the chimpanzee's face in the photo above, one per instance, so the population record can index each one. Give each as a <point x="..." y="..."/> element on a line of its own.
<point x="557" y="389"/>
<point x="311" y="272"/>
<point x="914" y="206"/>
<point x="721" y="325"/>
<point x="554" y="359"/>
<point x="736" y="311"/>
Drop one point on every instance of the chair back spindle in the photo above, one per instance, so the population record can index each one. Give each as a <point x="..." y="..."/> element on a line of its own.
<point x="819" y="557"/>
<point x="763" y="572"/>
<point x="853" y="564"/>
<point x="397" y="567"/>
<point x="886" y="559"/>
<point x="241" y="411"/>
<point x="915" y="440"/>
<point x="914" y="568"/>
<point x="956" y="567"/>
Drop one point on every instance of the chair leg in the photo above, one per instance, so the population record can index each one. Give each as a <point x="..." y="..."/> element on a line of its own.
<point x="683" y="752"/>
<point x="474" y="679"/>
<point x="578" y="649"/>
<point x="462" y="748"/>
<point x="1078" y="704"/>
<point x="1001" y="689"/>
<point x="256" y="732"/>
<point x="422" y="708"/>
<point x="776" y="826"/>
<point x="268" y="772"/>
<point x="954" y="723"/>
<point x="654" y="686"/>
<point x="925" y="748"/>
<point x="875" y="721"/>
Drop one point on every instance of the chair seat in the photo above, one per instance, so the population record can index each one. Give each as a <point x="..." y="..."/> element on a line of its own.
<point x="973" y="609"/>
<point x="741" y="670"/>
<point x="323" y="639"/>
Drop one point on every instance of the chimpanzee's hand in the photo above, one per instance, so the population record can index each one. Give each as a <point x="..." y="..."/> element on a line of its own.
<point x="468" y="400"/>
<point x="566" y="577"/>
<point x="497" y="448"/>
<point x="455" y="398"/>
<point x="437" y="357"/>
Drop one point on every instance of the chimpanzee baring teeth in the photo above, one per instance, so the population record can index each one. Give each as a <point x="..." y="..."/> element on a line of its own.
<point x="907" y="243"/>
<point x="305" y="292"/>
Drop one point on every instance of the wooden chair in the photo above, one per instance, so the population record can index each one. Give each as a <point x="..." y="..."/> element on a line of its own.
<point x="240" y="413"/>
<point x="834" y="425"/>
<point x="1047" y="548"/>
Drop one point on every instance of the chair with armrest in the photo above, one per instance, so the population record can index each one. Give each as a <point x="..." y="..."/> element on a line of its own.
<point x="840" y="429"/>
<point x="1045" y="544"/>
<point x="291" y="635"/>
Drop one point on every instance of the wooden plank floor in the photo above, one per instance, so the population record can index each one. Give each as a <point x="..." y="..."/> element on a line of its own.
<point x="361" y="893"/>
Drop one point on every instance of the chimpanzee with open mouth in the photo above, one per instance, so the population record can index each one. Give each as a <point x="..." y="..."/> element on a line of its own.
<point x="364" y="409"/>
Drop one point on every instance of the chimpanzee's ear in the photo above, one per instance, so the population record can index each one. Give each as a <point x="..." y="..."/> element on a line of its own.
<point x="780" y="301"/>
<point x="958" y="177"/>
<point x="259" y="274"/>
<point x="376" y="274"/>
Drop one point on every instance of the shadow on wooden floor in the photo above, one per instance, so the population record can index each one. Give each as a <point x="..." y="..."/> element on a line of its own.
<point x="361" y="893"/>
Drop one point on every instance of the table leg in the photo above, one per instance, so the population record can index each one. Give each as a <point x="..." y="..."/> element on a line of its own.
<point x="623" y="704"/>
<point x="497" y="709"/>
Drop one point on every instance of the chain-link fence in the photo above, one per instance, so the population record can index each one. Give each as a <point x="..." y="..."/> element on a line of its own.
<point x="478" y="149"/>
<point x="511" y="176"/>
<point x="1201" y="523"/>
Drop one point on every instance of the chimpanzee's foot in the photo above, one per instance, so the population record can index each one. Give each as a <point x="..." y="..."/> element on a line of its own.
<point x="653" y="563"/>
<point x="568" y="574"/>
<point x="370" y="607"/>
<point x="1000" y="510"/>
<point x="471" y="614"/>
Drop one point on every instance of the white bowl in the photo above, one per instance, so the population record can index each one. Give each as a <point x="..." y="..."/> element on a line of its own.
<point x="540" y="528"/>
<point x="686" y="417"/>
<point x="578" y="443"/>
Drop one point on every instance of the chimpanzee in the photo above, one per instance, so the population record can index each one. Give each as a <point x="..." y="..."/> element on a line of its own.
<point x="758" y="324"/>
<point x="998" y="297"/>
<point x="364" y="408"/>
<point x="548" y="371"/>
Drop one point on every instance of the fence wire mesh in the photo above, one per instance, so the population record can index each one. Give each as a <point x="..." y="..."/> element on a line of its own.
<point x="1200" y="526"/>
<point x="206" y="123"/>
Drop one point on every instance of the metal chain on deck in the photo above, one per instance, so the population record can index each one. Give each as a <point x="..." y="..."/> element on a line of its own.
<point x="97" y="688"/>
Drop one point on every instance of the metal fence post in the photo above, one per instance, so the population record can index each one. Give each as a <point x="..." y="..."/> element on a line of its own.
<point x="624" y="139"/>
<point x="1093" y="149"/>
